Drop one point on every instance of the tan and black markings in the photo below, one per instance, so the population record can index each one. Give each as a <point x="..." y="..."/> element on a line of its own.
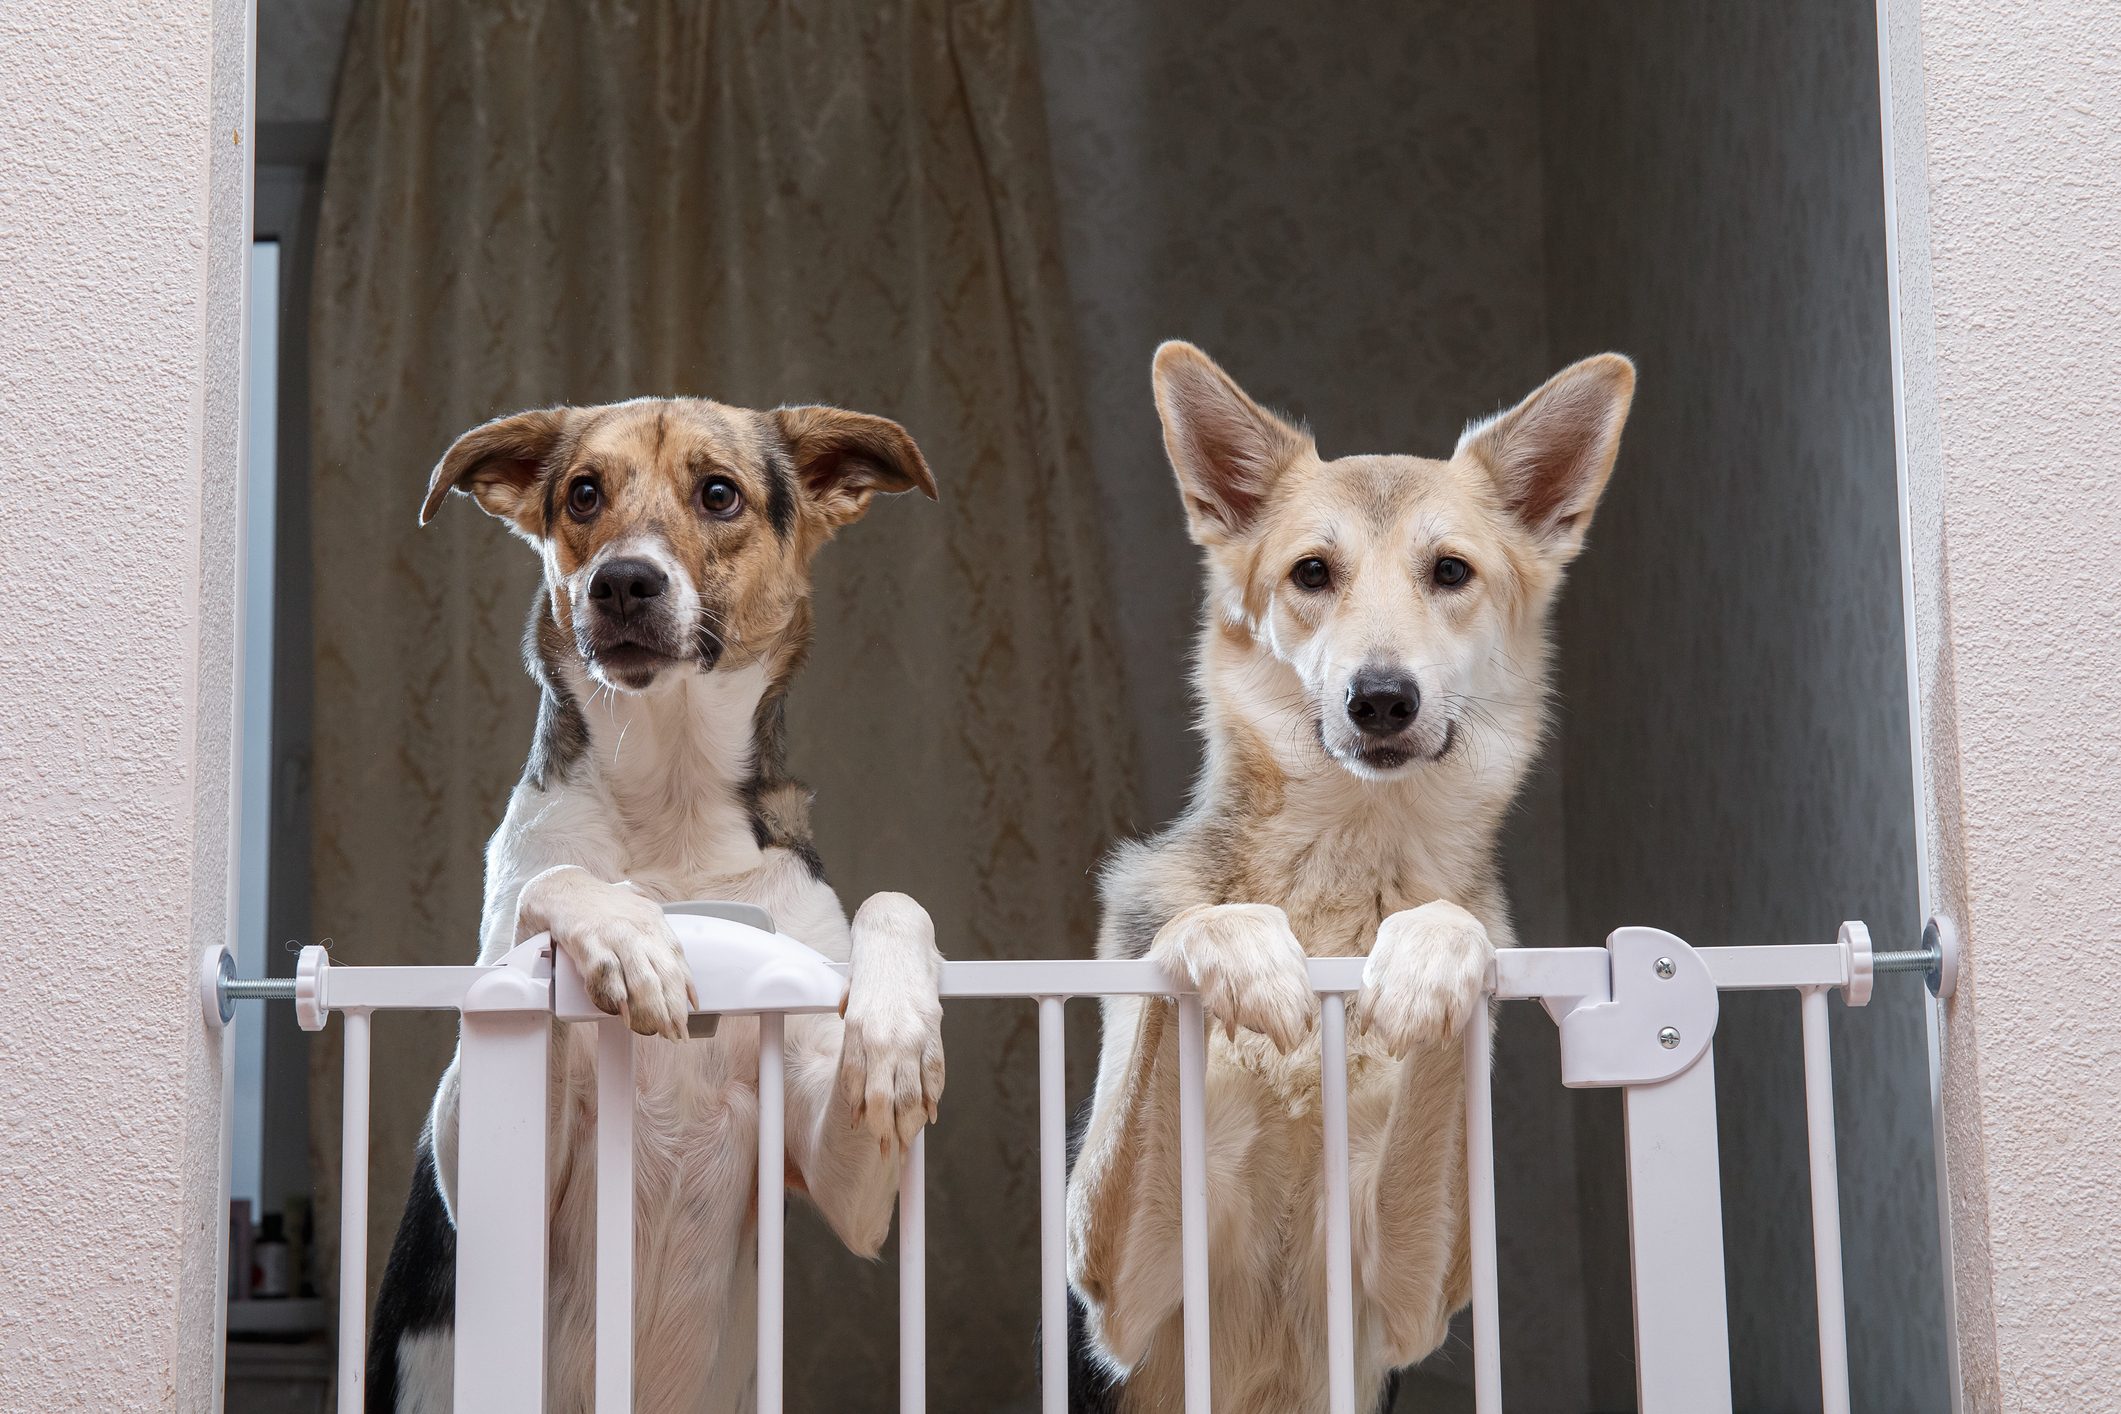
<point x="676" y="537"/>
<point x="677" y="534"/>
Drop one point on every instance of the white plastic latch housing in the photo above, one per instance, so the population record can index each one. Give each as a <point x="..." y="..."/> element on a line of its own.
<point x="738" y="969"/>
<point x="1658" y="1018"/>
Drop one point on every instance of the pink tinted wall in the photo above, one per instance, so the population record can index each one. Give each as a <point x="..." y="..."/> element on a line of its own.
<point x="2009" y="173"/>
<point x="123" y="184"/>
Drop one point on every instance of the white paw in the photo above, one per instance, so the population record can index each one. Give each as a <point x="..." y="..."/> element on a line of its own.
<point x="1426" y="973"/>
<point x="891" y="1049"/>
<point x="630" y="961"/>
<point x="1247" y="966"/>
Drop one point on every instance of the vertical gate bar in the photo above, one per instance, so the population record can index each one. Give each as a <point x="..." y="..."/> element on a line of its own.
<point x="913" y="1278"/>
<point x="1480" y="1183"/>
<point x="1675" y="1232"/>
<point x="1193" y="1195"/>
<point x="1340" y="1275"/>
<point x="353" y="1214"/>
<point x="1826" y="1204"/>
<point x="614" y="1308"/>
<point x="773" y="1179"/>
<point x="502" y="1211"/>
<point x="1052" y="1204"/>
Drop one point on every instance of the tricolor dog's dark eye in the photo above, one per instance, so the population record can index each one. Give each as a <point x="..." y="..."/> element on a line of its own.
<point x="1312" y="573"/>
<point x="1450" y="572"/>
<point x="585" y="498"/>
<point x="720" y="498"/>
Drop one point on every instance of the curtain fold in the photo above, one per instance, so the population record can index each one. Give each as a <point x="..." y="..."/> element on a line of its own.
<point x="548" y="200"/>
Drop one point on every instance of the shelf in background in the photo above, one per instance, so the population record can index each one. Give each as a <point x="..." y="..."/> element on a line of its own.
<point x="278" y="1317"/>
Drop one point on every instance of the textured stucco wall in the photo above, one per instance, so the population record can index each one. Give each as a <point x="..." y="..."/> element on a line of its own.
<point x="2014" y="313"/>
<point x="2012" y="391"/>
<point x="122" y="231"/>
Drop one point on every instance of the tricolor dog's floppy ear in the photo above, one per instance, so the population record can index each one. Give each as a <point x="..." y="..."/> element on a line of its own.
<point x="1225" y="449"/>
<point x="498" y="464"/>
<point x="843" y="460"/>
<point x="1551" y="455"/>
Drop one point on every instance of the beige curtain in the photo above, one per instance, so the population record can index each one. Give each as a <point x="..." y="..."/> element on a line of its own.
<point x="549" y="200"/>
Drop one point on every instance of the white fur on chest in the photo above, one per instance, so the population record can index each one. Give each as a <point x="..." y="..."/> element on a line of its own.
<point x="695" y="1176"/>
<point x="657" y="801"/>
<point x="669" y="766"/>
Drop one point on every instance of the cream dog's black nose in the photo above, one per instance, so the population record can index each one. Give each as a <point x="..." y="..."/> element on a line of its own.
<point x="1380" y="705"/>
<point x="623" y="588"/>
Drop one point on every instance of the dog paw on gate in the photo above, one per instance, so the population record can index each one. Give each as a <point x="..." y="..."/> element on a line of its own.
<point x="1248" y="967"/>
<point x="1425" y="974"/>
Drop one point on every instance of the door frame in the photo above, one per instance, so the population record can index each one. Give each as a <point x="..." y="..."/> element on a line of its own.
<point x="1921" y="543"/>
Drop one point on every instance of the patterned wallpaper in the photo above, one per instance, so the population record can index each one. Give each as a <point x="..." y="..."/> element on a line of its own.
<point x="1392" y="225"/>
<point x="502" y="226"/>
<point x="1356" y="229"/>
<point x="1736" y="748"/>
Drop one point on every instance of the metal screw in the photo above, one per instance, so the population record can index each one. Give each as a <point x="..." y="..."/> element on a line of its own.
<point x="1665" y="968"/>
<point x="1669" y="1038"/>
<point x="263" y="989"/>
<point x="1928" y="959"/>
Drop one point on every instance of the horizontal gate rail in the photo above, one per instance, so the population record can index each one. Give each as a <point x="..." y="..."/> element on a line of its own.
<point x="1638" y="1015"/>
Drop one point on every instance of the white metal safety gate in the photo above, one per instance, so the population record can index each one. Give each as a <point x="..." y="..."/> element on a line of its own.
<point x="1638" y="1014"/>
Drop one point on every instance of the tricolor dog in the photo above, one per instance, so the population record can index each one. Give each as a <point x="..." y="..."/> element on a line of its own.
<point x="677" y="538"/>
<point x="1373" y="680"/>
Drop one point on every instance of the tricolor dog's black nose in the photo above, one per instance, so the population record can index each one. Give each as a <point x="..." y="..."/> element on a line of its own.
<point x="1380" y="706"/>
<point x="623" y="588"/>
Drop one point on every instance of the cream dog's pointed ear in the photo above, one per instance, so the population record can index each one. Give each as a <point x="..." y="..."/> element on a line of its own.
<point x="498" y="464"/>
<point x="844" y="460"/>
<point x="1551" y="454"/>
<point x="1225" y="449"/>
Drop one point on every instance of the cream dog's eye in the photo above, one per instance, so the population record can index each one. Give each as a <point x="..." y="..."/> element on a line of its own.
<point x="1450" y="572"/>
<point x="585" y="498"/>
<point x="720" y="498"/>
<point x="1311" y="573"/>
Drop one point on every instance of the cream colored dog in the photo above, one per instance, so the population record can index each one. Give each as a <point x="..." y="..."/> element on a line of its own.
<point x="1373" y="673"/>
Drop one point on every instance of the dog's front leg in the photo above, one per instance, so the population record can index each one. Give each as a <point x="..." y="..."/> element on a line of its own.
<point x="628" y="956"/>
<point x="891" y="1057"/>
<point x="861" y="1086"/>
<point x="1424" y="978"/>
<point x="1123" y="1197"/>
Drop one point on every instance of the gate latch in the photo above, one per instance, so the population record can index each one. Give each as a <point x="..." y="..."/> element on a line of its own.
<point x="1658" y="1017"/>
